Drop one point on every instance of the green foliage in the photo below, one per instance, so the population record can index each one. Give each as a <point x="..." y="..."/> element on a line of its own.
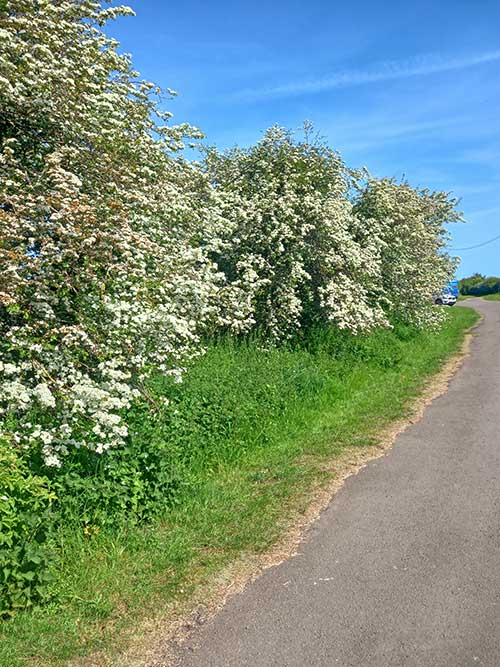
<point x="25" y="521"/>
<point x="121" y="257"/>
<point x="228" y="404"/>
<point x="479" y="285"/>
<point x="253" y="429"/>
<point x="382" y="348"/>
<point x="124" y="485"/>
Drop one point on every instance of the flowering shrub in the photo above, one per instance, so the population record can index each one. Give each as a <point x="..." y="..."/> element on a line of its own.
<point x="306" y="251"/>
<point x="102" y="273"/>
<point x="117" y="255"/>
<point x="409" y="225"/>
<point x="292" y="238"/>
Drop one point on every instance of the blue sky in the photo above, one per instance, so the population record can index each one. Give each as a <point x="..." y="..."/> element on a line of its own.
<point x="404" y="88"/>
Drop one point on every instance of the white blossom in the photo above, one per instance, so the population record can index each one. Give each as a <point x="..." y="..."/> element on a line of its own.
<point x="117" y="256"/>
<point x="44" y="395"/>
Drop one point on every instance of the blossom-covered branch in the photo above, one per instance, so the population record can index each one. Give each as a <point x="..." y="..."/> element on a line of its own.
<point x="117" y="256"/>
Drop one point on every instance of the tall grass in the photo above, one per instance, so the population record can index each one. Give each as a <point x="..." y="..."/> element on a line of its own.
<point x="223" y="467"/>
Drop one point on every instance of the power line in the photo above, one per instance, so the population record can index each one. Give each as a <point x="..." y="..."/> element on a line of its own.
<point x="479" y="245"/>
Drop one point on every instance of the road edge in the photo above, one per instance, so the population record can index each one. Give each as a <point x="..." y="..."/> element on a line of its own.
<point x="156" y="641"/>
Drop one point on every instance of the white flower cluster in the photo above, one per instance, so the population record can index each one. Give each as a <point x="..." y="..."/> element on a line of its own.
<point x="409" y="226"/>
<point x="117" y="256"/>
<point x="305" y="249"/>
<point x="105" y="271"/>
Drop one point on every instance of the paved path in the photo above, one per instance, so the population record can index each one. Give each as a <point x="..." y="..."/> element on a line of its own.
<point x="403" y="568"/>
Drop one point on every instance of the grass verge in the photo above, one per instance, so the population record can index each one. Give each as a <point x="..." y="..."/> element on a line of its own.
<point x="492" y="297"/>
<point x="260" y="425"/>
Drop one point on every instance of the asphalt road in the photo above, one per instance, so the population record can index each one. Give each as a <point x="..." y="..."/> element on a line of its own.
<point x="403" y="568"/>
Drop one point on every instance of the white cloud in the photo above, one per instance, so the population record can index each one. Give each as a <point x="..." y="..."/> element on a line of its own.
<point x="488" y="155"/>
<point x="384" y="71"/>
<point x="484" y="212"/>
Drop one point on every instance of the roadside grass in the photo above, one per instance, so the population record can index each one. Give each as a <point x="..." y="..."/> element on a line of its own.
<point x="488" y="297"/>
<point x="256" y="426"/>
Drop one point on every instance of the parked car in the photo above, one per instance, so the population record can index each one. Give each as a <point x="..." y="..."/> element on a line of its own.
<point x="449" y="294"/>
<point x="445" y="298"/>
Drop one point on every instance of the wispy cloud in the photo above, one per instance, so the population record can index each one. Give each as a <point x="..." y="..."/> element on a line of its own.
<point x="383" y="71"/>
<point x="388" y="130"/>
<point x="484" y="212"/>
<point x="489" y="155"/>
<point x="471" y="190"/>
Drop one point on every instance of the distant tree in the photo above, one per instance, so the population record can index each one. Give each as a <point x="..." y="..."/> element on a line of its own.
<point x="479" y="285"/>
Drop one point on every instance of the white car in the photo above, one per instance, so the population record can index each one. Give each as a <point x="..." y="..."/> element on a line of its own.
<point x="445" y="299"/>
